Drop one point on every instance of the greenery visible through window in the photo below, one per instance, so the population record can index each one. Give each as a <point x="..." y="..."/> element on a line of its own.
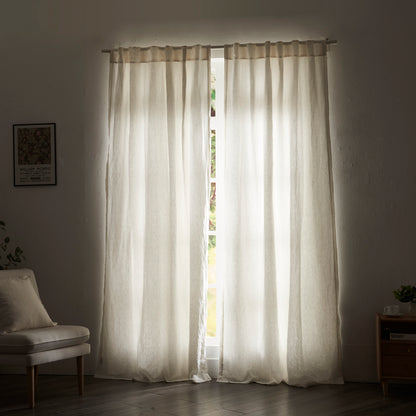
<point x="212" y="238"/>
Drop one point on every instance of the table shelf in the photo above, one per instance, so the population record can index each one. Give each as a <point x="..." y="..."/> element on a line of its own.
<point x="396" y="359"/>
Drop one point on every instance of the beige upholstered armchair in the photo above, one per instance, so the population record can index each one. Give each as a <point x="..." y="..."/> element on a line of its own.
<point x="28" y="336"/>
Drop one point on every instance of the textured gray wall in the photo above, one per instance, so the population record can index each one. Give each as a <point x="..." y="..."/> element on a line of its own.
<point x="52" y="70"/>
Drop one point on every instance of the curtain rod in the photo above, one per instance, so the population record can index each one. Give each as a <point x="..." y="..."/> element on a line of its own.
<point x="328" y="42"/>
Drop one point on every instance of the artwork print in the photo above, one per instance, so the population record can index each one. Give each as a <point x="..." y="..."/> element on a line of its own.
<point x="34" y="154"/>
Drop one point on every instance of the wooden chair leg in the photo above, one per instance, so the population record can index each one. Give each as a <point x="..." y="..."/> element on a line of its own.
<point x="385" y="386"/>
<point x="30" y="371"/>
<point x="36" y="374"/>
<point x="80" y="370"/>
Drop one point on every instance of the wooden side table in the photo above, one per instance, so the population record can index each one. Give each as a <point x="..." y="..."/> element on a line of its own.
<point x="396" y="358"/>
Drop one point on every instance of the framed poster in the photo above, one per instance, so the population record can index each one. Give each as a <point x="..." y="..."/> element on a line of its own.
<point x="34" y="154"/>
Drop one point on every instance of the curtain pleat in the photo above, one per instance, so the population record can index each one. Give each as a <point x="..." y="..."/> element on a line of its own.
<point x="154" y="311"/>
<point x="276" y="240"/>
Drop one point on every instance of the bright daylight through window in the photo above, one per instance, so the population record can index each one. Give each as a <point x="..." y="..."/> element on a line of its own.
<point x="214" y="286"/>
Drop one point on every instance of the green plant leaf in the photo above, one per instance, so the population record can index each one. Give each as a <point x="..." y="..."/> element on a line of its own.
<point x="406" y="293"/>
<point x="12" y="256"/>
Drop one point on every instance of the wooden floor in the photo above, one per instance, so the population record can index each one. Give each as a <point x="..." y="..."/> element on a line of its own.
<point x="57" y="395"/>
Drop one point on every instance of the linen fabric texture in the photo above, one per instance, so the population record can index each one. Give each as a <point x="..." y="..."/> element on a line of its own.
<point x="154" y="312"/>
<point x="20" y="305"/>
<point x="276" y="245"/>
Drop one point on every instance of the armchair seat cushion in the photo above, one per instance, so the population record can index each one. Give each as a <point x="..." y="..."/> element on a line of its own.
<point x="30" y="341"/>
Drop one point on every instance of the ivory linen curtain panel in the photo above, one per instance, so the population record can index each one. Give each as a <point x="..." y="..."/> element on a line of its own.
<point x="153" y="324"/>
<point x="276" y="246"/>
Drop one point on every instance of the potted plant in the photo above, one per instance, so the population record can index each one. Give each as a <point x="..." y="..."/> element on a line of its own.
<point x="10" y="257"/>
<point x="407" y="294"/>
